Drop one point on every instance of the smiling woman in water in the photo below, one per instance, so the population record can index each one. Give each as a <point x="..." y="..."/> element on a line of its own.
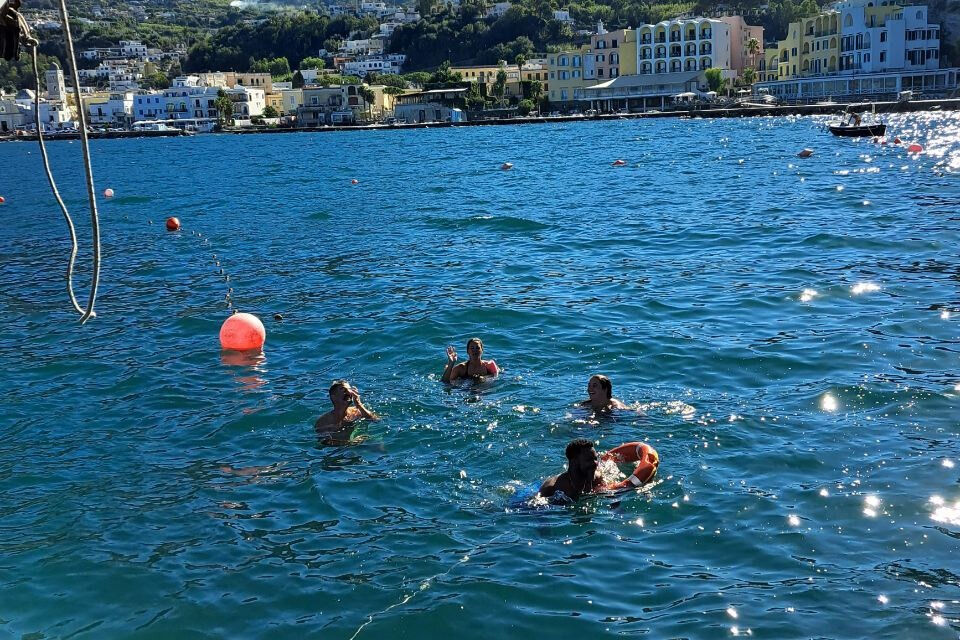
<point x="475" y="367"/>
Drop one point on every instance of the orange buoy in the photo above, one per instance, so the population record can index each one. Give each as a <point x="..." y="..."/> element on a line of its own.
<point x="242" y="332"/>
<point x="915" y="148"/>
<point x="806" y="153"/>
<point x="354" y="181"/>
<point x="619" y="163"/>
<point x="173" y="224"/>
<point x="108" y="193"/>
<point x="506" y="166"/>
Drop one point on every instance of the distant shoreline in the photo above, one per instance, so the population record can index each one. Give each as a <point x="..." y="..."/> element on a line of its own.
<point x="946" y="104"/>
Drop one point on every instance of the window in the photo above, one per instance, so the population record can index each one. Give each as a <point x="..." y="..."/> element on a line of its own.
<point x="920" y="15"/>
<point x="599" y="73"/>
<point x="552" y="75"/>
<point x="866" y="57"/>
<point x="576" y="74"/>
<point x="883" y="56"/>
<point x="613" y="44"/>
<point x="883" y="36"/>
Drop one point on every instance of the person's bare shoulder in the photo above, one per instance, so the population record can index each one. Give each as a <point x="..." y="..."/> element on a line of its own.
<point x="549" y="486"/>
<point x="326" y="422"/>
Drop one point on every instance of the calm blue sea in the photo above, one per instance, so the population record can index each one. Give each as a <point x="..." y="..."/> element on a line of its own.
<point x="787" y="328"/>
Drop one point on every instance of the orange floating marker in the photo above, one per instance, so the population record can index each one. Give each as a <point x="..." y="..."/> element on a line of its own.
<point x="242" y="332"/>
<point x="619" y="163"/>
<point x="806" y="153"/>
<point x="108" y="193"/>
<point x="506" y="166"/>
<point x="915" y="148"/>
<point x="173" y="224"/>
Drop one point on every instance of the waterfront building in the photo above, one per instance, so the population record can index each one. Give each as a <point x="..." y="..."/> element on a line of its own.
<point x="13" y="114"/>
<point x="685" y="45"/>
<point x="869" y="48"/>
<point x="112" y="109"/>
<point x="149" y="105"/>
<point x="741" y="33"/>
<point x="292" y="100"/>
<point x="435" y="105"/>
<point x="487" y="75"/>
<point x="614" y="52"/>
<point x="248" y="102"/>
<point x="274" y="100"/>
<point x="571" y="70"/>
<point x="644" y="91"/>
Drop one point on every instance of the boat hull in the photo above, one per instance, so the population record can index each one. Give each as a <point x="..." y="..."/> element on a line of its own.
<point x="866" y="131"/>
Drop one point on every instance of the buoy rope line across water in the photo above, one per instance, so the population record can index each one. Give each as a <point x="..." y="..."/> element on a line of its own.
<point x="31" y="42"/>
<point x="426" y="584"/>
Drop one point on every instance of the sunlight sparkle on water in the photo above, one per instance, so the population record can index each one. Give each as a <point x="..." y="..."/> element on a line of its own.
<point x="948" y="463"/>
<point x="882" y="599"/>
<point x="944" y="315"/>
<point x="807" y="295"/>
<point x="732" y="613"/>
<point x="946" y="514"/>
<point x="872" y="502"/>
<point x="864" y="287"/>
<point x="793" y="520"/>
<point x="828" y="402"/>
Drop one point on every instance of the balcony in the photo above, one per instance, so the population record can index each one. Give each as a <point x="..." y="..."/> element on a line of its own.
<point x="660" y="40"/>
<point x="674" y="37"/>
<point x="646" y="40"/>
<point x="706" y="34"/>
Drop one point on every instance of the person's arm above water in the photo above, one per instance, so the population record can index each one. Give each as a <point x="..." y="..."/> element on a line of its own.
<point x="549" y="487"/>
<point x="450" y="372"/>
<point x="362" y="410"/>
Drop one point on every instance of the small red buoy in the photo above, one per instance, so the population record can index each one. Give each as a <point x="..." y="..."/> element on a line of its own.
<point x="619" y="163"/>
<point x="915" y="148"/>
<point x="806" y="153"/>
<point x="108" y="193"/>
<point x="506" y="166"/>
<point x="354" y="181"/>
<point x="242" y="332"/>
<point x="2" y="200"/>
<point x="173" y="224"/>
<point x="896" y="141"/>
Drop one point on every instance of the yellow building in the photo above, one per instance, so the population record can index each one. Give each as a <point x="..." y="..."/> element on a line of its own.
<point x="812" y="47"/>
<point x="487" y="75"/>
<point x="569" y="74"/>
<point x="274" y="100"/>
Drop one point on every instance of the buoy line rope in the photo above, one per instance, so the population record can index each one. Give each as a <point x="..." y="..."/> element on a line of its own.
<point x="31" y="42"/>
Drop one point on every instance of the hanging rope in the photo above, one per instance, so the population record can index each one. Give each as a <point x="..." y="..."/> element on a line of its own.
<point x="91" y="193"/>
<point x="13" y="30"/>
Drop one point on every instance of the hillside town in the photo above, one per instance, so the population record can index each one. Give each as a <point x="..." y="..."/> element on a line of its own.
<point x="855" y="50"/>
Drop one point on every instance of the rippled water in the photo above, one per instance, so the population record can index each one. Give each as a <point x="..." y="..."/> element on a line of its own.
<point x="788" y="326"/>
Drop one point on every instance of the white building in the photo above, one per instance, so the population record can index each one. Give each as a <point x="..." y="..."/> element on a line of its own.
<point x="391" y="64"/>
<point x="117" y="110"/>
<point x="870" y="43"/>
<point x="247" y="102"/>
<point x="365" y="47"/>
<point x="498" y="9"/>
<point x="56" y="90"/>
<point x="13" y="114"/>
<point x="149" y="105"/>
<point x="563" y="15"/>
<point x="693" y="44"/>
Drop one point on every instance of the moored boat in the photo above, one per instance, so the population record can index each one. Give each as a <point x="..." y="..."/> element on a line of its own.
<point x="861" y="131"/>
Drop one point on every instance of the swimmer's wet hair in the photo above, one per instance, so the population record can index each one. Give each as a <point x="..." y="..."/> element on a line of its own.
<point x="338" y="383"/>
<point x="477" y="340"/>
<point x="605" y="384"/>
<point x="576" y="446"/>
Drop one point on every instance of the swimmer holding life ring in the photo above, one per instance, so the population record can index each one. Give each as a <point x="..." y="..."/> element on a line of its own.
<point x="475" y="367"/>
<point x="583" y="469"/>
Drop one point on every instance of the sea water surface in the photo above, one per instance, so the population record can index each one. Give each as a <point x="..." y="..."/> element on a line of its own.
<point x="788" y="329"/>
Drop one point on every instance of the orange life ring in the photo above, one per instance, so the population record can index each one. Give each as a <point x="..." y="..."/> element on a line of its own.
<point x="646" y="457"/>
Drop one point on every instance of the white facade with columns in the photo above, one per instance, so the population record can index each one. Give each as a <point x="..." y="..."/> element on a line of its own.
<point x="693" y="44"/>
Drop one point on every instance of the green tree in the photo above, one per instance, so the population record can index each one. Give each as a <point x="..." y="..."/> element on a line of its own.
<point x="520" y="60"/>
<point x="500" y="85"/>
<point x="525" y="107"/>
<point x="224" y="107"/>
<point x="297" y="82"/>
<point x="749" y="76"/>
<point x="536" y="90"/>
<point x="156" y="81"/>
<point x="753" y="50"/>
<point x="393" y="91"/>
<point x="270" y="112"/>
<point x="369" y="96"/>
<point x="714" y="78"/>
<point x="419" y="78"/>
<point x="313" y="62"/>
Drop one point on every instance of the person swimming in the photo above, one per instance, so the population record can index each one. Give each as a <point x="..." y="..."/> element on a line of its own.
<point x="475" y="367"/>
<point x="583" y="469"/>
<point x="337" y="424"/>
<point x="600" y="395"/>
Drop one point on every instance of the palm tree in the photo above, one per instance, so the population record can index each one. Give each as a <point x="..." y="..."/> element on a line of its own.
<point x="753" y="48"/>
<point x="368" y="96"/>
<point x="749" y="76"/>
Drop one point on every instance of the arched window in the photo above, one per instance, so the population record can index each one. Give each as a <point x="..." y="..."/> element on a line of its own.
<point x="848" y="20"/>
